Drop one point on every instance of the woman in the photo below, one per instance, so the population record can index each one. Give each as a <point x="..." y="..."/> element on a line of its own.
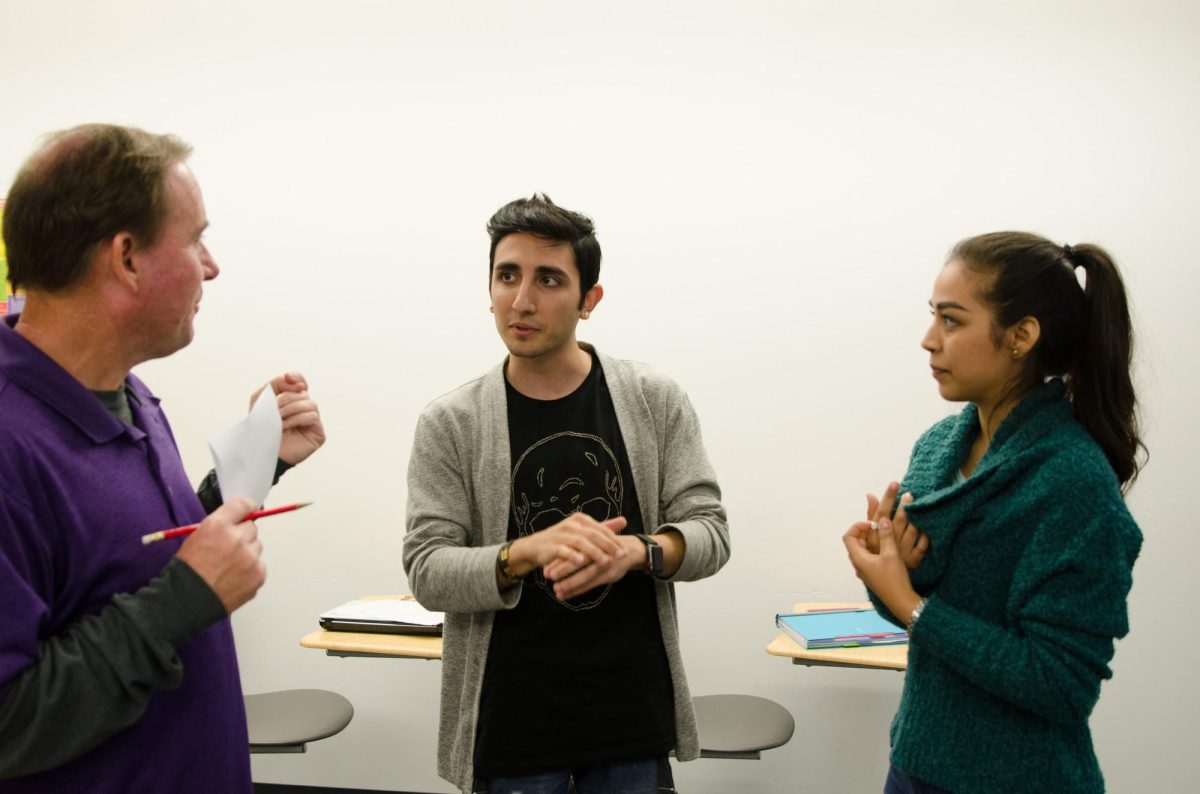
<point x="1027" y="544"/>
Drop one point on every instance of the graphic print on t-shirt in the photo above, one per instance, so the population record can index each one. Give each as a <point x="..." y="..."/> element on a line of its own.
<point x="563" y="474"/>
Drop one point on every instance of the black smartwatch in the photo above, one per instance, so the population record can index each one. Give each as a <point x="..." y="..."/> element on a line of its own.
<point x="654" y="556"/>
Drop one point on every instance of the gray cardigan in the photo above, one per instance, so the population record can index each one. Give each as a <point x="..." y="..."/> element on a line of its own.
<point x="459" y="486"/>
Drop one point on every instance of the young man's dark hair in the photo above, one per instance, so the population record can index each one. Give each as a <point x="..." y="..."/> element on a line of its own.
<point x="541" y="217"/>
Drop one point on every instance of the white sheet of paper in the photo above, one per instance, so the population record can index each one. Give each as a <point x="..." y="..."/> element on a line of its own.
<point x="245" y="454"/>
<point x="386" y="609"/>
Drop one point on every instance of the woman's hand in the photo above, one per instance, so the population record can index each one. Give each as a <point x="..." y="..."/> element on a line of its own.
<point x="884" y="572"/>
<point x="911" y="542"/>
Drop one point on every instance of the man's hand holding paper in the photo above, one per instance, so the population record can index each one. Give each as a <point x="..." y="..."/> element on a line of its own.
<point x="303" y="433"/>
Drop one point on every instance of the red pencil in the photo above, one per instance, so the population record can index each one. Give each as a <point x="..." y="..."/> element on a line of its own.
<point x="155" y="537"/>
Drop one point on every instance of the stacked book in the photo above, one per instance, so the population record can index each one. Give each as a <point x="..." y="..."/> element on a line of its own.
<point x="840" y="628"/>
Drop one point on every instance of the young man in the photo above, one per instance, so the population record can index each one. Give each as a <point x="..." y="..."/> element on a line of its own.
<point x="552" y="503"/>
<point x="117" y="665"/>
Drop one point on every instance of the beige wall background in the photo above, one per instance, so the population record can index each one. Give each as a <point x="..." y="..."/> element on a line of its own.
<point x="775" y="186"/>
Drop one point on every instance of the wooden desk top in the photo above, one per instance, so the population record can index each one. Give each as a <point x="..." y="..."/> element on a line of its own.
<point x="413" y="646"/>
<point x="410" y="645"/>
<point x="888" y="657"/>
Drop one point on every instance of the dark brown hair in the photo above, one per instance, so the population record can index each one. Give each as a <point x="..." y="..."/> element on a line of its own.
<point x="1086" y="333"/>
<point x="82" y="187"/>
<point x="541" y="217"/>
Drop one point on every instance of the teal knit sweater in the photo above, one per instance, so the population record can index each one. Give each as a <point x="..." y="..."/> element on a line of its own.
<point x="1027" y="574"/>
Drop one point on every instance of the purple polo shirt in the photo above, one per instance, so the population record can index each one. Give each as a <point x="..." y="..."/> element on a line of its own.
<point x="80" y="488"/>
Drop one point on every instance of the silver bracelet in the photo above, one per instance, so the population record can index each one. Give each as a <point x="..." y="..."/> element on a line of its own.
<point x="916" y="613"/>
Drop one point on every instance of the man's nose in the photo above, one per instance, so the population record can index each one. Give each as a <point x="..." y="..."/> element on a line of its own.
<point x="211" y="268"/>
<point x="523" y="302"/>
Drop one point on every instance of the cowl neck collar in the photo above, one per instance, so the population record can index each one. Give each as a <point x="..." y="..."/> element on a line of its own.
<point x="941" y="506"/>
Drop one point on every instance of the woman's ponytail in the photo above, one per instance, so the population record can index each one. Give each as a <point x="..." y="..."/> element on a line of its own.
<point x="1086" y="334"/>
<point x="1100" y="382"/>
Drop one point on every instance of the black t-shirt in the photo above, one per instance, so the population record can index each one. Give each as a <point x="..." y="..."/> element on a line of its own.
<point x="583" y="681"/>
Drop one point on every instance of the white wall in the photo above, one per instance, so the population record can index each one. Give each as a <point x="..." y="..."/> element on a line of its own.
<point x="775" y="186"/>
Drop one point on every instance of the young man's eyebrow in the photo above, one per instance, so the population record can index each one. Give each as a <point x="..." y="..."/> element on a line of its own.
<point x="550" y="270"/>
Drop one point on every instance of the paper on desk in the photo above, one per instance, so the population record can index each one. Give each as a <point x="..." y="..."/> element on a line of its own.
<point x="245" y="454"/>
<point x="389" y="609"/>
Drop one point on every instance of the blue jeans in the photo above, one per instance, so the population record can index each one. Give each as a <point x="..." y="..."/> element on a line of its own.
<point x="900" y="782"/>
<point x="627" y="777"/>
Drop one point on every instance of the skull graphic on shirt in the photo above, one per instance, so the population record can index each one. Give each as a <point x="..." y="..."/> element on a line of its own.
<point x="563" y="474"/>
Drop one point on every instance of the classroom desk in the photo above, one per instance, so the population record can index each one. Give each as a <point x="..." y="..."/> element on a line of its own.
<point x="354" y="643"/>
<point x="884" y="657"/>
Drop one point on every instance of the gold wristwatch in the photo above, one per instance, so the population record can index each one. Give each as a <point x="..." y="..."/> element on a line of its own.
<point x="503" y="567"/>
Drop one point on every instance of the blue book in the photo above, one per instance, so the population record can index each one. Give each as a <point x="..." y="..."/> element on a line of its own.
<point x="841" y="628"/>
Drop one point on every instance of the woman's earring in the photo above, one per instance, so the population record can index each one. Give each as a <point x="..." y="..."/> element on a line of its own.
<point x="1016" y="353"/>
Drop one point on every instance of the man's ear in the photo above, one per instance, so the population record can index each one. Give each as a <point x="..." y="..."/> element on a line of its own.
<point x="121" y="260"/>
<point x="590" y="299"/>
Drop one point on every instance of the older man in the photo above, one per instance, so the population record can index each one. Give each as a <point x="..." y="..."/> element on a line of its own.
<point x="117" y="664"/>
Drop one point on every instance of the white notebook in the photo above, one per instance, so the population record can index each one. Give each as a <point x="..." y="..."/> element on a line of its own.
<point x="383" y="615"/>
